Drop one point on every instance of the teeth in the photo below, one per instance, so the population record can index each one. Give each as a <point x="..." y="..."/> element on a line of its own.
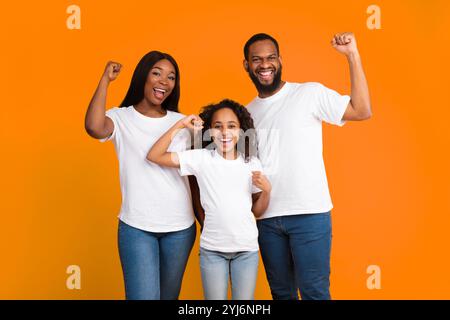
<point x="265" y="73"/>
<point x="160" y="90"/>
<point x="226" y="140"/>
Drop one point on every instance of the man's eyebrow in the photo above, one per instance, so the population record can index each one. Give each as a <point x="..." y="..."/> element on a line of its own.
<point x="269" y="55"/>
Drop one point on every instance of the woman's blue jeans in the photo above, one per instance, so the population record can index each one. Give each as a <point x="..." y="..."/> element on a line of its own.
<point x="153" y="264"/>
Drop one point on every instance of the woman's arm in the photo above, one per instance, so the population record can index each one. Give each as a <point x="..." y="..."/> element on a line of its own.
<point x="260" y="200"/>
<point x="98" y="125"/>
<point x="196" y="204"/>
<point x="159" y="154"/>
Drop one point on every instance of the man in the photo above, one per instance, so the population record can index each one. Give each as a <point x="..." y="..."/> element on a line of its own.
<point x="295" y="231"/>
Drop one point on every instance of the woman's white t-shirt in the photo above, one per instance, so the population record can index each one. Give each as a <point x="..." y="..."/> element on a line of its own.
<point x="289" y="133"/>
<point x="226" y="196"/>
<point x="154" y="198"/>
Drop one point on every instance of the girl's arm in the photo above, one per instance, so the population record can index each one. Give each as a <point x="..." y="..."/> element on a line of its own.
<point x="96" y="123"/>
<point x="261" y="199"/>
<point x="159" y="154"/>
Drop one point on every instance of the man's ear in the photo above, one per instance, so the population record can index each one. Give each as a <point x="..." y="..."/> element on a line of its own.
<point x="281" y="60"/>
<point x="245" y="65"/>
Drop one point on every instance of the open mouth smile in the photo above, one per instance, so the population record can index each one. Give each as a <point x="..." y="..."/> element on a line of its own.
<point x="265" y="74"/>
<point x="159" y="93"/>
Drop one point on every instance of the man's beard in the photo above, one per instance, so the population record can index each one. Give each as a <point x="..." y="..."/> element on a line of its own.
<point x="270" y="88"/>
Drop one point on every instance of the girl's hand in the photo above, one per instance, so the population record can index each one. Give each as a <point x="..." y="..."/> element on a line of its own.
<point x="260" y="181"/>
<point x="112" y="70"/>
<point x="192" y="122"/>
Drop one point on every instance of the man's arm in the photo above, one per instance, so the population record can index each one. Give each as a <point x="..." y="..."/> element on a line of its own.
<point x="359" y="107"/>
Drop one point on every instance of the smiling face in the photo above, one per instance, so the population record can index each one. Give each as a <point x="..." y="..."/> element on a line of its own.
<point x="225" y="128"/>
<point x="264" y="66"/>
<point x="160" y="82"/>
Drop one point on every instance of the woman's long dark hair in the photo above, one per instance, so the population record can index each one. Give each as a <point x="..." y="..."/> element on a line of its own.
<point x="135" y="92"/>
<point x="249" y="144"/>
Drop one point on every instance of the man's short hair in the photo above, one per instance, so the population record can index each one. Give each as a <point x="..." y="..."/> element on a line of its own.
<point x="259" y="37"/>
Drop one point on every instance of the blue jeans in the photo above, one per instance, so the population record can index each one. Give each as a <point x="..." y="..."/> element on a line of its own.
<point x="153" y="264"/>
<point x="217" y="267"/>
<point x="296" y="254"/>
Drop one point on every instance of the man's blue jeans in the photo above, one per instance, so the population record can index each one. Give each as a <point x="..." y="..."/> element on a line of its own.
<point x="153" y="264"/>
<point x="296" y="254"/>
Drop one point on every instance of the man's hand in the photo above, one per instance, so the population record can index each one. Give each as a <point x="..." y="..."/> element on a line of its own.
<point x="345" y="43"/>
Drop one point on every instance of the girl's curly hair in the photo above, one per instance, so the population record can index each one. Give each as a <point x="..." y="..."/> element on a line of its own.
<point x="247" y="144"/>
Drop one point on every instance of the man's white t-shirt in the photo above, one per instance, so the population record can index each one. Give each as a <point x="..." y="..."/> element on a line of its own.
<point x="226" y="196"/>
<point x="154" y="198"/>
<point x="289" y="134"/>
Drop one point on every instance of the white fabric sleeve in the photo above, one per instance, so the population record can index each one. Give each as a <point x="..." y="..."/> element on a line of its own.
<point x="331" y="105"/>
<point x="181" y="141"/>
<point x="255" y="165"/>
<point x="112" y="114"/>
<point x="189" y="161"/>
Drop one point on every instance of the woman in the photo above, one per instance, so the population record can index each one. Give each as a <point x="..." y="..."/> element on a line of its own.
<point x="156" y="220"/>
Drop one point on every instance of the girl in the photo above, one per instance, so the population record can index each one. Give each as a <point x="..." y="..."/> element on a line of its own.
<point x="156" y="223"/>
<point x="225" y="171"/>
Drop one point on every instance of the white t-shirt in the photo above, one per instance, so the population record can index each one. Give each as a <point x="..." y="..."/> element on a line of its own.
<point x="154" y="198"/>
<point x="289" y="134"/>
<point x="226" y="196"/>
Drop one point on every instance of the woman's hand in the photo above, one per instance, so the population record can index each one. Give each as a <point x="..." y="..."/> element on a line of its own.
<point x="112" y="71"/>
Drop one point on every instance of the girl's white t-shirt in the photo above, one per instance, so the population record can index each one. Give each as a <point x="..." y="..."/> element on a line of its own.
<point x="226" y="196"/>
<point x="154" y="198"/>
<point x="289" y="133"/>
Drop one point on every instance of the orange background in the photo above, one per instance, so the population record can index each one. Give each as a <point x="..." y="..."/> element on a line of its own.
<point x="389" y="177"/>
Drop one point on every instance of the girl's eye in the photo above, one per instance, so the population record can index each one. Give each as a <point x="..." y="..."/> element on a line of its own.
<point x="155" y="73"/>
<point x="172" y="78"/>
